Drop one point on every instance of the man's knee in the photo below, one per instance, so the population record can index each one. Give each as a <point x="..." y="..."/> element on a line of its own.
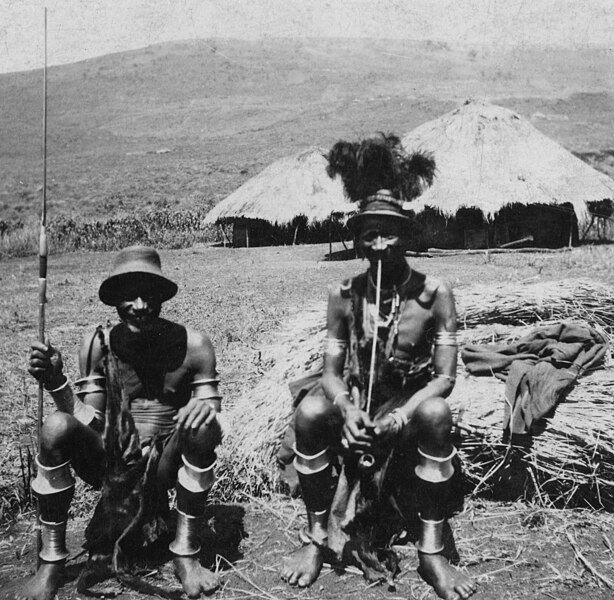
<point x="204" y="440"/>
<point x="57" y="431"/>
<point x="314" y="412"/>
<point x="434" y="415"/>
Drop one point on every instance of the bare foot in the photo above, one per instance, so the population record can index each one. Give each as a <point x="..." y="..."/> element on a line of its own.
<point x="303" y="567"/>
<point x="44" y="584"/>
<point x="194" y="578"/>
<point x="448" y="582"/>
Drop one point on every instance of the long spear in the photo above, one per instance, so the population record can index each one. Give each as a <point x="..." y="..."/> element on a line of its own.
<point x="42" y="269"/>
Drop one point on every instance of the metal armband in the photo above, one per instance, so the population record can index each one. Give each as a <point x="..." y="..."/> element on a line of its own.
<point x="334" y="347"/>
<point x="450" y="378"/>
<point x="445" y="338"/>
<point x="205" y="389"/>
<point x="92" y="384"/>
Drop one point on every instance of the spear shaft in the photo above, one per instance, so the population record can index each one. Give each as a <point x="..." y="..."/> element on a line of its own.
<point x="42" y="269"/>
<point x="367" y="460"/>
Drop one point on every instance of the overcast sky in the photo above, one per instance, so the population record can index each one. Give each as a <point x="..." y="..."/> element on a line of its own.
<point x="81" y="29"/>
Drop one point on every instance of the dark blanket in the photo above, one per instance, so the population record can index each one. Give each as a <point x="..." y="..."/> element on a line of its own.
<point x="539" y="369"/>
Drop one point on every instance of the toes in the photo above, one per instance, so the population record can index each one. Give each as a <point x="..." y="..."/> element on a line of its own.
<point x="304" y="581"/>
<point x="465" y="591"/>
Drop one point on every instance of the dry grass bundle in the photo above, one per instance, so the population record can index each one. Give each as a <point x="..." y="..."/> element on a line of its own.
<point x="570" y="463"/>
<point x="517" y="304"/>
<point x="257" y="422"/>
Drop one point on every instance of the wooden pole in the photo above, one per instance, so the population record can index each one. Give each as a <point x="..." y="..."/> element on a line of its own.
<point x="330" y="237"/>
<point x="42" y="273"/>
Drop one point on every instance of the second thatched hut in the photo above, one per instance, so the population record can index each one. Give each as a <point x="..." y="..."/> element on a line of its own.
<point x="498" y="180"/>
<point x="291" y="200"/>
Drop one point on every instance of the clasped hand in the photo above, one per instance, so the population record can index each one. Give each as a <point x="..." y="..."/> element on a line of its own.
<point x="361" y="433"/>
<point x="196" y="412"/>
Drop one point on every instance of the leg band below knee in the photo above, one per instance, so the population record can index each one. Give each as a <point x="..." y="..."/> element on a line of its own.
<point x="196" y="479"/>
<point x="54" y="488"/>
<point x="310" y="464"/>
<point x="434" y="468"/>
<point x="187" y="537"/>
<point x="53" y="541"/>
<point x="51" y="480"/>
<point x="318" y="489"/>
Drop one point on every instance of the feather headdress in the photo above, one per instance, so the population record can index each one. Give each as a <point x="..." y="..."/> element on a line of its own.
<point x="380" y="164"/>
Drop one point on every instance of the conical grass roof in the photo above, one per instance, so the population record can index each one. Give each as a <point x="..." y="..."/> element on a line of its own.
<point x="294" y="186"/>
<point x="488" y="156"/>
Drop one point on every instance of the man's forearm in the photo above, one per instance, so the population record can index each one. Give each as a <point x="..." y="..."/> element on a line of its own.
<point x="336" y="390"/>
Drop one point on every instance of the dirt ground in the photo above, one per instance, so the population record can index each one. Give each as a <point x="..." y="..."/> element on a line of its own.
<point x="514" y="551"/>
<point x="242" y="298"/>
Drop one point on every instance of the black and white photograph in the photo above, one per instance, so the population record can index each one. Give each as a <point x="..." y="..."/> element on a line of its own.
<point x="306" y="300"/>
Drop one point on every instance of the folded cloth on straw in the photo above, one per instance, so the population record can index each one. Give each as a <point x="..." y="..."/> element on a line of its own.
<point x="539" y="369"/>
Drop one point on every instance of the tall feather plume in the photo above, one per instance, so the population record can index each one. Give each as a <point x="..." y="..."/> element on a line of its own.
<point x="380" y="162"/>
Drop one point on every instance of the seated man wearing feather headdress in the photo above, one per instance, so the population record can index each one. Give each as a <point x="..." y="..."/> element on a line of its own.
<point x="142" y="418"/>
<point x="373" y="448"/>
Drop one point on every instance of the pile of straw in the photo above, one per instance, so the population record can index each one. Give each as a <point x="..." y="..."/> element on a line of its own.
<point x="517" y="304"/>
<point x="570" y="463"/>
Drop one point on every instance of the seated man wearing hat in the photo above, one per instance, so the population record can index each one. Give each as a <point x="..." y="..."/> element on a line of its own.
<point x="378" y="418"/>
<point x="167" y="376"/>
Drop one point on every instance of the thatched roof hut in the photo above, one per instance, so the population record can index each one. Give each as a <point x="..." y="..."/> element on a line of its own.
<point x="293" y="189"/>
<point x="488" y="157"/>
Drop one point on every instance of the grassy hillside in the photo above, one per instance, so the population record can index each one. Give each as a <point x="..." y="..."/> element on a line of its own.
<point x="183" y="124"/>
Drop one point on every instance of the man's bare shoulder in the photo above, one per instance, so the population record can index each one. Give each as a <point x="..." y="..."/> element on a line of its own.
<point x="199" y="345"/>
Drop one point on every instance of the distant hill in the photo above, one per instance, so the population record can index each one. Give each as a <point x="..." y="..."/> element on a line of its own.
<point x="183" y="124"/>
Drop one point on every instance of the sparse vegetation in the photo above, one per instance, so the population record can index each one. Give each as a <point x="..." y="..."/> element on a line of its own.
<point x="162" y="228"/>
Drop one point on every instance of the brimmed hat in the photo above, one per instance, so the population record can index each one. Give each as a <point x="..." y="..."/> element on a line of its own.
<point x="382" y="203"/>
<point x="136" y="262"/>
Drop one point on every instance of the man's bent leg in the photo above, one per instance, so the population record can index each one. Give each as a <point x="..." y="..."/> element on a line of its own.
<point x="318" y="425"/>
<point x="194" y="480"/>
<point x="432" y="423"/>
<point x="54" y="487"/>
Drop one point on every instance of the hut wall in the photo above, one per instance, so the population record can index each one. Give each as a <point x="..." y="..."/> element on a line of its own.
<point x="549" y="225"/>
<point x="263" y="233"/>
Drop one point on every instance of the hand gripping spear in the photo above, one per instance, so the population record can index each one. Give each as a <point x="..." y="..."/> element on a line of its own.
<point x="366" y="461"/>
<point x="42" y="269"/>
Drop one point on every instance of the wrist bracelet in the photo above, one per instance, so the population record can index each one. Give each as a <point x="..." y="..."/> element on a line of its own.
<point x="60" y="387"/>
<point x="339" y="394"/>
